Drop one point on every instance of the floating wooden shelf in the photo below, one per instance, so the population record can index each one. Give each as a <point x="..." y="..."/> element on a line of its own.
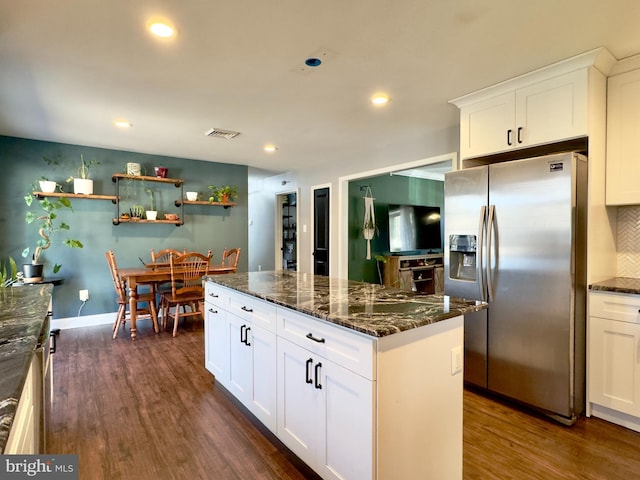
<point x="117" y="221"/>
<point x="176" y="181"/>
<point x="204" y="202"/>
<point x="113" y="198"/>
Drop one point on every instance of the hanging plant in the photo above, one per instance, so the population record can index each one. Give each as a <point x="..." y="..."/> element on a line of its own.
<point x="369" y="227"/>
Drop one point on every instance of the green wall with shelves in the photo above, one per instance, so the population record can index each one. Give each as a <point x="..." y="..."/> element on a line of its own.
<point x="386" y="189"/>
<point x="206" y="227"/>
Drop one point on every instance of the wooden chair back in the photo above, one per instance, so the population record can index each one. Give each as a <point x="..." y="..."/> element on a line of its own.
<point x="118" y="284"/>
<point x="164" y="255"/>
<point x="230" y="258"/>
<point x="187" y="271"/>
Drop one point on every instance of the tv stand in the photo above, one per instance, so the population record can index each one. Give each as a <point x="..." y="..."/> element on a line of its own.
<point x="422" y="273"/>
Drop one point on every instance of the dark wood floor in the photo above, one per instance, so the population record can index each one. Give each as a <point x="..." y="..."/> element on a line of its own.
<point x="149" y="410"/>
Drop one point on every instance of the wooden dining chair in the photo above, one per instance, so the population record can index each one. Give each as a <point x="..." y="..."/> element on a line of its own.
<point x="163" y="256"/>
<point x="186" y="288"/>
<point x="122" y="299"/>
<point x="230" y="258"/>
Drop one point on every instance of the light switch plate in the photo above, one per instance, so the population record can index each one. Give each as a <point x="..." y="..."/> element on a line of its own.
<point x="457" y="360"/>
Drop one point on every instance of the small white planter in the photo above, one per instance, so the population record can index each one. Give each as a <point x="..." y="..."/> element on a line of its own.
<point x="47" y="186"/>
<point x="83" y="186"/>
<point x="152" y="214"/>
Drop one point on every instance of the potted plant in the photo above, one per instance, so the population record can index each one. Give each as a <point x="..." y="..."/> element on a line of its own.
<point x="82" y="183"/>
<point x="152" y="213"/>
<point x="48" y="224"/>
<point x="224" y="194"/>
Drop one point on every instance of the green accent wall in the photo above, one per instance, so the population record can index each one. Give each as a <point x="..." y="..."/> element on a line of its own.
<point x="386" y="189"/>
<point x="206" y="227"/>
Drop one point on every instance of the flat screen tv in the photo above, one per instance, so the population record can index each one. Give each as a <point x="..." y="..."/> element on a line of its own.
<point x="414" y="227"/>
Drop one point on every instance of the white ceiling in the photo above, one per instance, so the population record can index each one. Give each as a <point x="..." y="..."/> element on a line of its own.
<point x="69" y="68"/>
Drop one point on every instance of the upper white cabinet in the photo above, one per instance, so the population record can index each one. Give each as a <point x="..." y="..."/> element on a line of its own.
<point x="544" y="112"/>
<point x="623" y="138"/>
<point x="544" y="106"/>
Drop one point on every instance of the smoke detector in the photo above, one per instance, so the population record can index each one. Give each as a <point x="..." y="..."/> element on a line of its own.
<point x="221" y="133"/>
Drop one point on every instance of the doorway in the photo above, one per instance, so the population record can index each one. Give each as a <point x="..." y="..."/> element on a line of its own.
<point x="287" y="233"/>
<point x="321" y="209"/>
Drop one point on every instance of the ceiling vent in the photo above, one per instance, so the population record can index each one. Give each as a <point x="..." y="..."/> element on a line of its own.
<point x="220" y="133"/>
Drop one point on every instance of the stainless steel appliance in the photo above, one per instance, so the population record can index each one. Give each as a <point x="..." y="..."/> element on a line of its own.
<point x="516" y="237"/>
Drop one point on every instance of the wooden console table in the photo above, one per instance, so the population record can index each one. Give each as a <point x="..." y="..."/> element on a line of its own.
<point x="420" y="273"/>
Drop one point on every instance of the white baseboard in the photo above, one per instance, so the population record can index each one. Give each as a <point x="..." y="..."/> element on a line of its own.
<point x="613" y="416"/>
<point x="84" y="321"/>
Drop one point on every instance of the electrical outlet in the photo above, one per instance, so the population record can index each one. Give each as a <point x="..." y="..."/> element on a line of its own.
<point x="457" y="360"/>
<point x="84" y="295"/>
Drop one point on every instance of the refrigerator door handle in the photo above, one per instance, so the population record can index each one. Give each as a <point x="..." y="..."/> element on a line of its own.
<point x="479" y="259"/>
<point x="492" y="209"/>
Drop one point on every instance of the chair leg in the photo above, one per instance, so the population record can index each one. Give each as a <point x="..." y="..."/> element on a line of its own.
<point x="154" y="315"/>
<point x="176" y="317"/>
<point x="119" y="319"/>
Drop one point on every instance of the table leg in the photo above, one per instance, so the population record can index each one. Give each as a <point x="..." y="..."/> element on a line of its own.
<point x="133" y="307"/>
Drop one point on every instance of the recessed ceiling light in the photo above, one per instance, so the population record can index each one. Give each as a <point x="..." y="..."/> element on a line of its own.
<point x="270" y="148"/>
<point x="380" y="99"/>
<point x="161" y="28"/>
<point x="121" y="123"/>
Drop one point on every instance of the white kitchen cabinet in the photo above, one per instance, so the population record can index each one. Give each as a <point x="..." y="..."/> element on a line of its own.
<point x="543" y="112"/>
<point x="23" y="436"/>
<point x="325" y="413"/>
<point x="614" y="357"/>
<point x="252" y="368"/>
<point x="240" y="349"/>
<point x="623" y="139"/>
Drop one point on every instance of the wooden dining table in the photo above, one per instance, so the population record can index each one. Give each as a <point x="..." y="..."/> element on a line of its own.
<point x="154" y="273"/>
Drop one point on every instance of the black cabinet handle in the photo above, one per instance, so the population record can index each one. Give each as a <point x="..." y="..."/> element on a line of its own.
<point x="246" y="337"/>
<point x="315" y="339"/>
<point x="509" y="137"/>
<point x="519" y="134"/>
<point x="242" y="328"/>
<point x="250" y="310"/>
<point x="308" y="378"/>
<point x="317" y="371"/>
<point x="54" y="346"/>
<point x="211" y="310"/>
<point x="211" y="294"/>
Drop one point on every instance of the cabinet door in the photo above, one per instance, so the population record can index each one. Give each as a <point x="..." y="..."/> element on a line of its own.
<point x="298" y="401"/>
<point x="345" y="399"/>
<point x="216" y="343"/>
<point x="552" y="110"/>
<point x="263" y="392"/>
<point x="240" y="359"/>
<point x="487" y="126"/>
<point x="614" y="365"/>
<point x="623" y="139"/>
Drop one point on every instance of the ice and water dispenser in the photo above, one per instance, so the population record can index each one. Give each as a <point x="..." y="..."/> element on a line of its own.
<point x="462" y="257"/>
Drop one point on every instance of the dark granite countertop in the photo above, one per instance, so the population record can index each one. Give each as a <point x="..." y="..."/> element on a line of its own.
<point x="371" y="309"/>
<point x="619" y="285"/>
<point x="23" y="314"/>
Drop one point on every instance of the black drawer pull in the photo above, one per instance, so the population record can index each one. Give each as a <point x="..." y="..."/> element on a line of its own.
<point x="519" y="134"/>
<point x="509" y="137"/>
<point x="318" y="384"/>
<point x="315" y="339"/>
<point x="246" y="337"/>
<point x="211" y="294"/>
<point x="246" y="309"/>
<point x="308" y="379"/>
<point x="211" y="310"/>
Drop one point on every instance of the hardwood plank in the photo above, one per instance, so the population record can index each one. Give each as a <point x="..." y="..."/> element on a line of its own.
<point x="148" y="409"/>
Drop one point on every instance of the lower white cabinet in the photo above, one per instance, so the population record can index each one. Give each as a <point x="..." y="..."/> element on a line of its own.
<point x="325" y="413"/>
<point x="23" y="436"/>
<point x="614" y="358"/>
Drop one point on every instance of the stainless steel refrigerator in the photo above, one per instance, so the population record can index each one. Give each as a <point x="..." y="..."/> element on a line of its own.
<point x="516" y="237"/>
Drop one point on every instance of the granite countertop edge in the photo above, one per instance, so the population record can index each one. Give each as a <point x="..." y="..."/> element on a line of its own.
<point x="428" y="309"/>
<point x="618" y="285"/>
<point x="22" y="319"/>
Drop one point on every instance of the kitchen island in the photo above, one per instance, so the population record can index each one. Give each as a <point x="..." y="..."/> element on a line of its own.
<point x="359" y="380"/>
<point x="23" y="324"/>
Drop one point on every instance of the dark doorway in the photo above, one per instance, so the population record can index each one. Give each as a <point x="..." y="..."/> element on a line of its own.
<point x="321" y="231"/>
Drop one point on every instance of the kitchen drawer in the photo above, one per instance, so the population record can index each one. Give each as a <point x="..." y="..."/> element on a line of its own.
<point x="349" y="349"/>
<point x="615" y="306"/>
<point x="217" y="295"/>
<point x="253" y="309"/>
